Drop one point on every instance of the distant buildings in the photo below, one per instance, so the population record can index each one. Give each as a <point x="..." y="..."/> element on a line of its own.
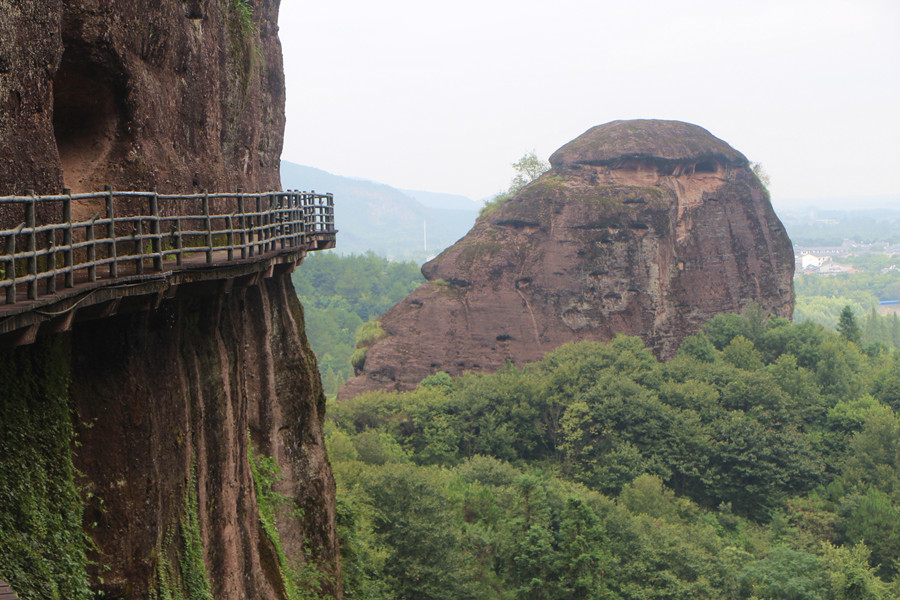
<point x="821" y="261"/>
<point x="825" y="260"/>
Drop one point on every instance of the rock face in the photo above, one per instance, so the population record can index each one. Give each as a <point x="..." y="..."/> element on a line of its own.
<point x="183" y="390"/>
<point x="644" y="228"/>
<point x="179" y="95"/>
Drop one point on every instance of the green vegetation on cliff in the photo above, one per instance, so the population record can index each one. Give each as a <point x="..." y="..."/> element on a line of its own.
<point x="302" y="579"/>
<point x="182" y="575"/>
<point x="761" y="462"/>
<point x="43" y="546"/>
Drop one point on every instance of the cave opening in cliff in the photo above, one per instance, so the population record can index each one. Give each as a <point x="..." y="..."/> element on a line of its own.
<point x="706" y="166"/>
<point x="87" y="116"/>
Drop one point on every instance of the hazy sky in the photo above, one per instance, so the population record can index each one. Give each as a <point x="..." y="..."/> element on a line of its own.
<point x="444" y="96"/>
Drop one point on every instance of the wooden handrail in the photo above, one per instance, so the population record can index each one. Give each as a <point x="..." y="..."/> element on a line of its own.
<point x="146" y="229"/>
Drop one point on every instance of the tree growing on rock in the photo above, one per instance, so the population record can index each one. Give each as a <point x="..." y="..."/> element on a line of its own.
<point x="528" y="168"/>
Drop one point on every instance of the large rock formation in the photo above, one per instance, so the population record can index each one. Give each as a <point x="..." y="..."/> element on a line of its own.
<point x="178" y="95"/>
<point x="645" y="228"/>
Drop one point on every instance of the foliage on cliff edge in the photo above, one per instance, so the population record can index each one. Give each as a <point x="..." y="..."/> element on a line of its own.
<point x="43" y="546"/>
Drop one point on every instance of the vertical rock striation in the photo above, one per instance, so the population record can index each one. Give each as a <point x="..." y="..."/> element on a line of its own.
<point x="166" y="393"/>
<point x="645" y="228"/>
<point x="179" y="95"/>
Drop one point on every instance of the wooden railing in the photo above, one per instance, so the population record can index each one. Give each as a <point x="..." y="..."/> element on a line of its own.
<point x="141" y="231"/>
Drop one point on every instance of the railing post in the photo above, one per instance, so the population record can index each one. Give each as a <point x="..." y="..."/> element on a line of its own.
<point x="290" y="219"/>
<point x="305" y="209"/>
<point x="330" y="209"/>
<point x="67" y="239"/>
<point x="283" y="223"/>
<point x="154" y="231"/>
<point x="51" y="261"/>
<point x="270" y="224"/>
<point x="138" y="242"/>
<point x="229" y="235"/>
<point x="259" y="230"/>
<point x="179" y="244"/>
<point x="291" y="230"/>
<point x="266" y="225"/>
<point x="11" y="269"/>
<point x="208" y="220"/>
<point x="319" y="202"/>
<point x="301" y="214"/>
<point x="242" y="223"/>
<point x="92" y="250"/>
<point x="32" y="244"/>
<point x="111" y="232"/>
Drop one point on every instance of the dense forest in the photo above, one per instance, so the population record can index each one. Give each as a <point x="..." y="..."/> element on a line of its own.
<point x="339" y="294"/>
<point x="822" y="298"/>
<point x="762" y="462"/>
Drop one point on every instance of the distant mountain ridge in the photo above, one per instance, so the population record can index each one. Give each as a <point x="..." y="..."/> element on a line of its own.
<point x="397" y="224"/>
<point x="440" y="200"/>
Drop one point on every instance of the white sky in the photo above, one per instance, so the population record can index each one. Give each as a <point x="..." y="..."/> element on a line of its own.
<point x="444" y="96"/>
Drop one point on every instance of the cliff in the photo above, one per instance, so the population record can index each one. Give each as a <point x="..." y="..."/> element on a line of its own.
<point x="177" y="95"/>
<point x="179" y="393"/>
<point x="186" y="437"/>
<point x="644" y="228"/>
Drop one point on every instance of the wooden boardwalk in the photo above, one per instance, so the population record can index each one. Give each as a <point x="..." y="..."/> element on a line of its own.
<point x="6" y="592"/>
<point x="63" y="270"/>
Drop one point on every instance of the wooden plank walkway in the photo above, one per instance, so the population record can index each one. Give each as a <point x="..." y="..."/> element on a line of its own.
<point x="6" y="592"/>
<point x="55" y="271"/>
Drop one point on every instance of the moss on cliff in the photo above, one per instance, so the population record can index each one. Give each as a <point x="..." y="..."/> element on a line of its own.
<point x="194" y="582"/>
<point x="43" y="548"/>
<point x="303" y="580"/>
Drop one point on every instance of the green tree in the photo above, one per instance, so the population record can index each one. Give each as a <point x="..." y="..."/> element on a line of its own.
<point x="848" y="574"/>
<point x="699" y="347"/>
<point x="741" y="353"/>
<point x="848" y="327"/>
<point x="874" y="520"/>
<point x="761" y="174"/>
<point x="528" y="168"/>
<point x="413" y="519"/>
<point x="785" y="574"/>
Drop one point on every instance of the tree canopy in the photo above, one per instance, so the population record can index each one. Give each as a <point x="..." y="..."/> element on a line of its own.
<point x="341" y="293"/>
<point x="763" y="461"/>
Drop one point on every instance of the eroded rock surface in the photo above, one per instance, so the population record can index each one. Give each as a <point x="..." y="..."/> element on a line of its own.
<point x="645" y="228"/>
<point x="179" y="95"/>
<point x="166" y="393"/>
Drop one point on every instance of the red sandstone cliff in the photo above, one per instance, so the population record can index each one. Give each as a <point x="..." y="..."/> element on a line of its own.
<point x="179" y="95"/>
<point x="159" y="392"/>
<point x="645" y="228"/>
<point x="176" y="94"/>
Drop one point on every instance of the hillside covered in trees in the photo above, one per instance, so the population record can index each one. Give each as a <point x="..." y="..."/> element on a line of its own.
<point x="762" y="462"/>
<point x="821" y="299"/>
<point x="339" y="294"/>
